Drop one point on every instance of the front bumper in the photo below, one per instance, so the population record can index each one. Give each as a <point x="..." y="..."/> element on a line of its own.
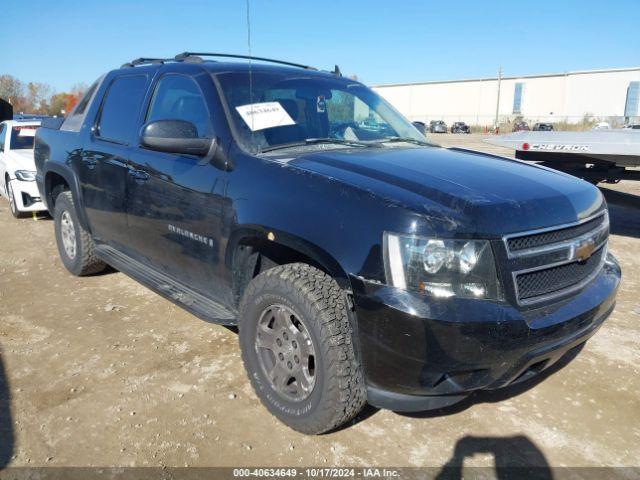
<point x="420" y="353"/>
<point x="27" y="196"/>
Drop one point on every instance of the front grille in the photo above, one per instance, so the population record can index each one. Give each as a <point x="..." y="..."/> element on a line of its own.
<point x="546" y="264"/>
<point x="558" y="278"/>
<point x="554" y="236"/>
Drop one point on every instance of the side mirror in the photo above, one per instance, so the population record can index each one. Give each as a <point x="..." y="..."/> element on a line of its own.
<point x="174" y="136"/>
<point x="422" y="128"/>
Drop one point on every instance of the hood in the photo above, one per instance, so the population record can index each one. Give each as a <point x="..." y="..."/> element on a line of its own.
<point x="23" y="159"/>
<point x="476" y="193"/>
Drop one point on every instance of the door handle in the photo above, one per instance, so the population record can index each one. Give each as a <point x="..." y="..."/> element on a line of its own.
<point x="139" y="175"/>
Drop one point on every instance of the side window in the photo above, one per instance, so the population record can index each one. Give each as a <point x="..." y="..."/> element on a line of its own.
<point x="177" y="97"/>
<point x="2" y="135"/>
<point x="121" y="107"/>
<point x="82" y="104"/>
<point x="75" y="118"/>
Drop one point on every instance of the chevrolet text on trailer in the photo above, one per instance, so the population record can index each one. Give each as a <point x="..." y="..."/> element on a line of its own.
<point x="17" y="168"/>
<point x="359" y="262"/>
<point x="596" y="156"/>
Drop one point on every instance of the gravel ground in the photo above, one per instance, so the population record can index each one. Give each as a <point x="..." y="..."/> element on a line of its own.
<point x="100" y="371"/>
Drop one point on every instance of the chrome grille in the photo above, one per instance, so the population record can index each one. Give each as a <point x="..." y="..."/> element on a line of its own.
<point x="524" y="242"/>
<point x="552" y="262"/>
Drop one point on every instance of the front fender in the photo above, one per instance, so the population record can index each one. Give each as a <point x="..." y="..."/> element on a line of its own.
<point x="338" y="225"/>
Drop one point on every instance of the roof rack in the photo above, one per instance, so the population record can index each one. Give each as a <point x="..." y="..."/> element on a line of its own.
<point x="145" y="61"/>
<point x="193" y="57"/>
<point x="185" y="56"/>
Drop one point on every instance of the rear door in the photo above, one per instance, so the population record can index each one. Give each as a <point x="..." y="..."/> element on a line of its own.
<point x="174" y="201"/>
<point x="102" y="168"/>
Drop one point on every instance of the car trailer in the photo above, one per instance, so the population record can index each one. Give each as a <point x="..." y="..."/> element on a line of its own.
<point x="597" y="156"/>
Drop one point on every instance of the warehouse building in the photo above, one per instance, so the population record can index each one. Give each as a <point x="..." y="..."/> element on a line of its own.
<point x="601" y="95"/>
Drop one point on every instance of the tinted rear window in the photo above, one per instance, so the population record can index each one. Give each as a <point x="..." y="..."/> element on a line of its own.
<point x="22" y="137"/>
<point x="121" y="108"/>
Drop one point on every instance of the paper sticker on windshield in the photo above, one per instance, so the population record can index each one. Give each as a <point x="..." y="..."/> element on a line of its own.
<point x="259" y="116"/>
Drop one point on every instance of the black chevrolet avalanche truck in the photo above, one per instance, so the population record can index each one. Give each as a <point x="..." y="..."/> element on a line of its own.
<point x="359" y="262"/>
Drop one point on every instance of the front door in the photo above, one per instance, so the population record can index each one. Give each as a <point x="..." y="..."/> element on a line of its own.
<point x="174" y="201"/>
<point x="102" y="163"/>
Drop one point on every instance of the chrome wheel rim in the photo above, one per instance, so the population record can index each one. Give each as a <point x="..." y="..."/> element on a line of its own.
<point x="68" y="234"/>
<point x="286" y="353"/>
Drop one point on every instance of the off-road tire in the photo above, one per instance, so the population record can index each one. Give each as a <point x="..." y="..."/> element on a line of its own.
<point x="320" y="304"/>
<point x="85" y="261"/>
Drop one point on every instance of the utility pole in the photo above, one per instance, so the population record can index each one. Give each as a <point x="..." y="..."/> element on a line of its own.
<point x="495" y="123"/>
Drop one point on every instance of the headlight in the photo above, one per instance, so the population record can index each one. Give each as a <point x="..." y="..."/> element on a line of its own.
<point x="442" y="268"/>
<point x="25" y="175"/>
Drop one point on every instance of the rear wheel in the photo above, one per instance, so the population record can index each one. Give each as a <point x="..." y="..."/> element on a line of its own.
<point x="75" y="245"/>
<point x="297" y="347"/>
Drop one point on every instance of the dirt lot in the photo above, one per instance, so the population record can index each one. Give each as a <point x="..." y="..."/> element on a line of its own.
<point x="100" y="371"/>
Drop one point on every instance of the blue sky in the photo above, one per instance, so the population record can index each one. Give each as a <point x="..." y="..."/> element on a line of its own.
<point x="62" y="42"/>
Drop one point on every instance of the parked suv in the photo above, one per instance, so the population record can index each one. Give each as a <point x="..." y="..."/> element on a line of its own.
<point x="437" y="126"/>
<point x="543" y="127"/>
<point x="460" y="127"/>
<point x="360" y="265"/>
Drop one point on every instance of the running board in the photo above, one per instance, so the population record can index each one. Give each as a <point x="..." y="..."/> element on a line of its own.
<point x="196" y="303"/>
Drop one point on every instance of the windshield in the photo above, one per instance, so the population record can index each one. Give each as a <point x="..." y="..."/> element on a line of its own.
<point x="22" y="137"/>
<point x="294" y="109"/>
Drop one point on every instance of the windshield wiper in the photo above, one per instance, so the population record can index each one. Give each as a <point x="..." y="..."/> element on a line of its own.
<point x="316" y="141"/>
<point x="403" y="139"/>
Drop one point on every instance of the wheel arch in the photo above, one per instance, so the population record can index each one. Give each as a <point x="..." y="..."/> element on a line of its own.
<point x="58" y="177"/>
<point x="248" y="244"/>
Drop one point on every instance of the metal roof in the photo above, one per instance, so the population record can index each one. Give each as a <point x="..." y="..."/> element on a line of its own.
<point x="488" y="79"/>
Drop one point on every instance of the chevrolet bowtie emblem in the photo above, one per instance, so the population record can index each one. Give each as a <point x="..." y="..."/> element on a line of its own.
<point x="584" y="250"/>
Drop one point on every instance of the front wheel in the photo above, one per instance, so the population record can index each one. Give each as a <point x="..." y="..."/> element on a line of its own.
<point x="75" y="245"/>
<point x="297" y="346"/>
<point x="12" y="201"/>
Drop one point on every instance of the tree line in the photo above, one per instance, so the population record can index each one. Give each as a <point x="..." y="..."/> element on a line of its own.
<point x="37" y="97"/>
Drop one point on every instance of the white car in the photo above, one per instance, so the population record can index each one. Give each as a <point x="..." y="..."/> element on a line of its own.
<point x="17" y="168"/>
<point x="602" y="126"/>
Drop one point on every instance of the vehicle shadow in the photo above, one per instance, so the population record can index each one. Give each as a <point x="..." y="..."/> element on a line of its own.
<point x="624" y="214"/>
<point x="514" y="457"/>
<point x="6" y="422"/>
